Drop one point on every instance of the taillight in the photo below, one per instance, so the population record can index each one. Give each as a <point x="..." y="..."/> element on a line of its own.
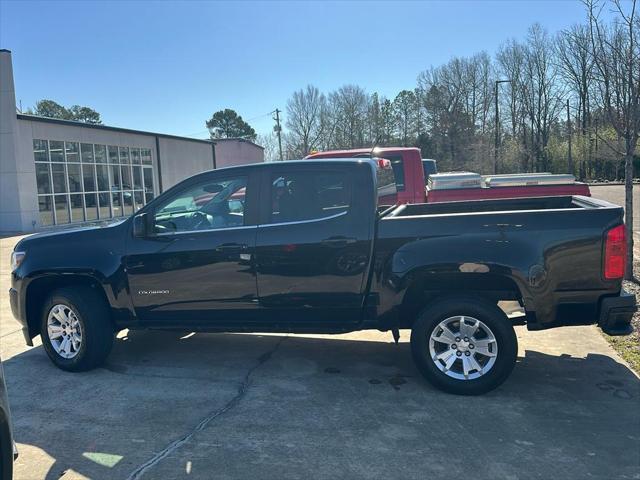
<point x="615" y="253"/>
<point x="383" y="163"/>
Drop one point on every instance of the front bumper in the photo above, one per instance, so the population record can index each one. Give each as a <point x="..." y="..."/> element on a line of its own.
<point x="616" y="314"/>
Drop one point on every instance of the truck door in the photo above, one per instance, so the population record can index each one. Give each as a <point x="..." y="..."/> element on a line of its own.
<point x="197" y="266"/>
<point x="314" y="243"/>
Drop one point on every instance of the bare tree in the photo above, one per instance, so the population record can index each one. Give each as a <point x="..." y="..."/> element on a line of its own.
<point x="575" y="65"/>
<point x="349" y="104"/>
<point x="269" y="142"/>
<point x="456" y="98"/>
<point x="575" y="62"/>
<point x="305" y="110"/>
<point x="510" y="65"/>
<point x="541" y="93"/>
<point x="616" y="56"/>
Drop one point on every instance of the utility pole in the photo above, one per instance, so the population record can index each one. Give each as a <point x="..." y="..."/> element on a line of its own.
<point x="569" y="158"/>
<point x="278" y="130"/>
<point x="497" y="143"/>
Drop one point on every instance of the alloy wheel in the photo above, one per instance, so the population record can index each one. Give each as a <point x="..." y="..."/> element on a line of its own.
<point x="64" y="330"/>
<point x="463" y="347"/>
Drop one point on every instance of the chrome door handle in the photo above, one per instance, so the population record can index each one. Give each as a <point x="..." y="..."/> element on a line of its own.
<point x="232" y="247"/>
<point x="338" y="241"/>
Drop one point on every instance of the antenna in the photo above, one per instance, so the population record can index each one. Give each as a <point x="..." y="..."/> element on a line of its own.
<point x="374" y="145"/>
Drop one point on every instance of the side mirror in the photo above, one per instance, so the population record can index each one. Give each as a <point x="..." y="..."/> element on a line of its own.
<point x="141" y="225"/>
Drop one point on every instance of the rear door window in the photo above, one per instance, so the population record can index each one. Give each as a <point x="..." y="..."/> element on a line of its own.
<point x="308" y="195"/>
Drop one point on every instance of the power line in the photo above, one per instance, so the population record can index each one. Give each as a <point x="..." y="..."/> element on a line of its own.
<point x="259" y="116"/>
<point x="194" y="134"/>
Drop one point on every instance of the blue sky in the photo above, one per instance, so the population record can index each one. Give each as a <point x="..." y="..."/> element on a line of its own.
<point x="167" y="66"/>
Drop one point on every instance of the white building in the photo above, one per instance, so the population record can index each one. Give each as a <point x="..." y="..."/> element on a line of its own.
<point x="56" y="172"/>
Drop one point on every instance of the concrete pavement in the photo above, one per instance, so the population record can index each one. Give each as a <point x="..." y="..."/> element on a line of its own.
<point x="236" y="406"/>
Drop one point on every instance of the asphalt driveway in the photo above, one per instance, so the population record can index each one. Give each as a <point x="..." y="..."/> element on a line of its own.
<point x="236" y="406"/>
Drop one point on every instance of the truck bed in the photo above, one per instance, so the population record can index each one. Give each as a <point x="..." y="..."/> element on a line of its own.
<point x="499" y="205"/>
<point x="498" y="192"/>
<point x="548" y="249"/>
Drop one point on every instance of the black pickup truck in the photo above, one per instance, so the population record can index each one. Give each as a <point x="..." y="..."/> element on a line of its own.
<point x="303" y="247"/>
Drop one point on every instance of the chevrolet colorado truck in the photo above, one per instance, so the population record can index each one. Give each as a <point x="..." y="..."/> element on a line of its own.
<point x="302" y="246"/>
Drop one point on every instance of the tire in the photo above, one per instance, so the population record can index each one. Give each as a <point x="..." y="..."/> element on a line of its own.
<point x="453" y="367"/>
<point x="83" y="310"/>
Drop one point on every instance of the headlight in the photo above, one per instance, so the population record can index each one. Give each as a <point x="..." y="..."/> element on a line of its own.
<point x="16" y="259"/>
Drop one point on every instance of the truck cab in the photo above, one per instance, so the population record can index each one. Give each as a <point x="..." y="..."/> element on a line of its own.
<point x="416" y="180"/>
<point x="408" y="171"/>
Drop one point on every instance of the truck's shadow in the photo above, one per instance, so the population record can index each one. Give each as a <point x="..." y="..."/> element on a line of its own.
<point x="572" y="417"/>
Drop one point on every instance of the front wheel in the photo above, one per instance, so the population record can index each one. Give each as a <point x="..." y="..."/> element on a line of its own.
<point x="464" y="345"/>
<point x="76" y="330"/>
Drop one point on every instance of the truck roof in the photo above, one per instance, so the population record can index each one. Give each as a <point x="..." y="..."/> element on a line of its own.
<point x="350" y="160"/>
<point x="302" y="162"/>
<point x="376" y="151"/>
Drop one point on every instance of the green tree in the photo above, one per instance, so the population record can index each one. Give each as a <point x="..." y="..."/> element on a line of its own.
<point x="228" y="124"/>
<point x="51" y="109"/>
<point x="84" y="114"/>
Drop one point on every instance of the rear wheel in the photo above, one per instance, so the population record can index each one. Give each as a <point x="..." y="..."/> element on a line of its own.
<point x="76" y="329"/>
<point x="464" y="345"/>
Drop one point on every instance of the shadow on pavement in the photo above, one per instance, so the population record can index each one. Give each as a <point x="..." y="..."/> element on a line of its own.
<point x="321" y="407"/>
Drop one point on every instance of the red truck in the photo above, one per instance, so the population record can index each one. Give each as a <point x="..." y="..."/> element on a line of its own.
<point x="408" y="184"/>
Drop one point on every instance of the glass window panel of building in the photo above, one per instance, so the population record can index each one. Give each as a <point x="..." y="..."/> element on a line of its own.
<point x="135" y="156"/>
<point x="84" y="181"/>
<point x="113" y="154"/>
<point x="86" y="150"/>
<point x="56" y="150"/>
<point x="145" y="155"/>
<point x="100" y="153"/>
<point x="71" y="151"/>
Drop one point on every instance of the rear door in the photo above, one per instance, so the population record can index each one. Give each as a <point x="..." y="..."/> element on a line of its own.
<point x="314" y="243"/>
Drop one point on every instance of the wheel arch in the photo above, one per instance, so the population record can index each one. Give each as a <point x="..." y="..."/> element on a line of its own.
<point x="40" y="288"/>
<point x="426" y="288"/>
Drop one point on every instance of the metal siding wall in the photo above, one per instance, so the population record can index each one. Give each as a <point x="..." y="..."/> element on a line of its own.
<point x="181" y="159"/>
<point x="230" y="153"/>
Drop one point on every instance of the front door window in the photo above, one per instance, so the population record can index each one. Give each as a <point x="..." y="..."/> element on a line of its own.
<point x="213" y="205"/>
